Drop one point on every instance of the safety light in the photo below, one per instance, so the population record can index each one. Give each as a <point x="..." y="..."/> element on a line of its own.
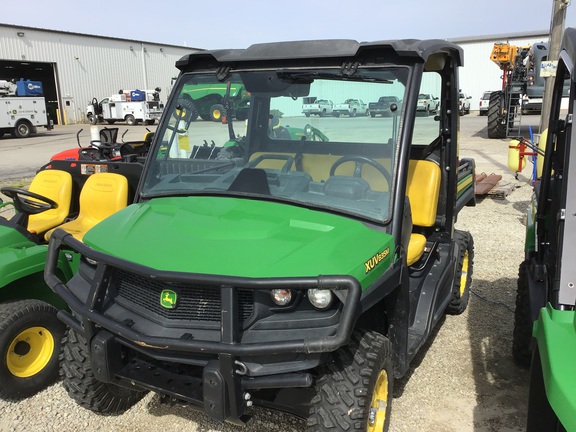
<point x="281" y="297"/>
<point x="320" y="299"/>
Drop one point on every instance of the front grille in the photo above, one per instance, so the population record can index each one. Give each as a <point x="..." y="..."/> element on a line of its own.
<point x="195" y="302"/>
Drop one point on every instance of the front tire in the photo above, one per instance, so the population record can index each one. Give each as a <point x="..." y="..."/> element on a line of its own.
<point x="92" y="119"/>
<point x="217" y="112"/>
<point x="354" y="391"/>
<point x="522" y="335"/>
<point x="463" y="277"/>
<point x="84" y="388"/>
<point x="30" y="341"/>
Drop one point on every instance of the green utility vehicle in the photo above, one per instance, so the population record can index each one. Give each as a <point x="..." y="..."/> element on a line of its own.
<point x="30" y="332"/>
<point x="205" y="99"/>
<point x="545" y="317"/>
<point x="290" y="262"/>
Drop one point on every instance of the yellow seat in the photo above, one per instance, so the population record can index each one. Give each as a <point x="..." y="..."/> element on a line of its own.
<point x="319" y="165"/>
<point x="422" y="189"/>
<point x="56" y="185"/>
<point x="102" y="195"/>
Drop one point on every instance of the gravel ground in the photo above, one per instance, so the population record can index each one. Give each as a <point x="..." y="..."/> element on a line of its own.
<point x="463" y="380"/>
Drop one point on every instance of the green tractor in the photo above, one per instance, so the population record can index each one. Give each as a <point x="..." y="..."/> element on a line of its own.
<point x="30" y="332"/>
<point x="544" y="327"/>
<point x="206" y="99"/>
<point x="293" y="263"/>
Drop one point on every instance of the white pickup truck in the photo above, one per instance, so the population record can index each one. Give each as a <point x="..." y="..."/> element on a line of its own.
<point x="464" y="105"/>
<point x="319" y="107"/>
<point x="351" y="108"/>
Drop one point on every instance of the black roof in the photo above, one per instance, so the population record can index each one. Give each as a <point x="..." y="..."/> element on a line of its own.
<point x="408" y="49"/>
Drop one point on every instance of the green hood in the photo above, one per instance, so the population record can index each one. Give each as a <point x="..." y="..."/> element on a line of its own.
<point x="242" y="237"/>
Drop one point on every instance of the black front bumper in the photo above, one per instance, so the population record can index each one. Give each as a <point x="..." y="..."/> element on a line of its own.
<point x="222" y="384"/>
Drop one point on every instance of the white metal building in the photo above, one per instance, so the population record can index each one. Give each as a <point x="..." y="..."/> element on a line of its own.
<point x="75" y="68"/>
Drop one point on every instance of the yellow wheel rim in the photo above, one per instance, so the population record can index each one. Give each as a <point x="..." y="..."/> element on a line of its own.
<point x="464" y="275"/>
<point x="379" y="403"/>
<point x="30" y="352"/>
<point x="216" y="114"/>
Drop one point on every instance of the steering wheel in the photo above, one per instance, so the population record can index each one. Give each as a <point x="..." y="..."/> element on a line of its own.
<point x="359" y="162"/>
<point x="29" y="202"/>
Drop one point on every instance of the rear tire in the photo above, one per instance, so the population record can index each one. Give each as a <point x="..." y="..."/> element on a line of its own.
<point x="522" y="335"/>
<point x="187" y="111"/>
<point x="130" y="120"/>
<point x="463" y="277"/>
<point x="84" y="388"/>
<point x="30" y="341"/>
<point x="354" y="391"/>
<point x="496" y="129"/>
<point x="92" y="119"/>
<point x="23" y="129"/>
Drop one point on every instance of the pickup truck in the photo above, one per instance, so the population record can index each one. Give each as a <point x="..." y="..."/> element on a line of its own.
<point x="382" y="107"/>
<point x="464" y="105"/>
<point x="427" y="103"/>
<point x="351" y="108"/>
<point x="319" y="107"/>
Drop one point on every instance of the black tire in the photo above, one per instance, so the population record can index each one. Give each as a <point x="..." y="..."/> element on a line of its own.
<point x="372" y="114"/>
<point x="188" y="111"/>
<point x="110" y="122"/>
<point x="206" y="117"/>
<point x="463" y="276"/>
<point x="496" y="129"/>
<point x="30" y="342"/>
<point x="336" y="115"/>
<point x="92" y="119"/>
<point x="307" y="114"/>
<point x="83" y="387"/>
<point x="541" y="416"/>
<point x="353" y="113"/>
<point x="130" y="120"/>
<point x="322" y="113"/>
<point x="150" y="122"/>
<point x="23" y="129"/>
<point x="351" y="387"/>
<point x="217" y="111"/>
<point x="522" y="335"/>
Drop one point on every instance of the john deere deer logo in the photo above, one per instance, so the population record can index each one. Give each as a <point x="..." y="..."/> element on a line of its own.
<point x="168" y="299"/>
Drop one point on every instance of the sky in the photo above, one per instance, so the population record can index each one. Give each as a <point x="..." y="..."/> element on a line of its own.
<point x="226" y="24"/>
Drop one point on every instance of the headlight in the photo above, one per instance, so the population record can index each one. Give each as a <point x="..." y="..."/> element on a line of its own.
<point x="320" y="299"/>
<point x="91" y="261"/>
<point x="281" y="297"/>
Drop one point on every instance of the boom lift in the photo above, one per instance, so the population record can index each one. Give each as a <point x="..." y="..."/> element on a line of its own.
<point x="522" y="86"/>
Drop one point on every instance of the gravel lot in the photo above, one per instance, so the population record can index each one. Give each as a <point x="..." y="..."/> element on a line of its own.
<point x="464" y="380"/>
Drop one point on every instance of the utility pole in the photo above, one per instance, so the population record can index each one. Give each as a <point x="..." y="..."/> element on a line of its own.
<point x="556" y="32"/>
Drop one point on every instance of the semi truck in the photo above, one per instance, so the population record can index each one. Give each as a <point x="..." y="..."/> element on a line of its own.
<point x="130" y="106"/>
<point x="23" y="108"/>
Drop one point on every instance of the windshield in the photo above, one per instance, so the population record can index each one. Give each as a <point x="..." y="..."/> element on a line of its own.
<point x="280" y="139"/>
